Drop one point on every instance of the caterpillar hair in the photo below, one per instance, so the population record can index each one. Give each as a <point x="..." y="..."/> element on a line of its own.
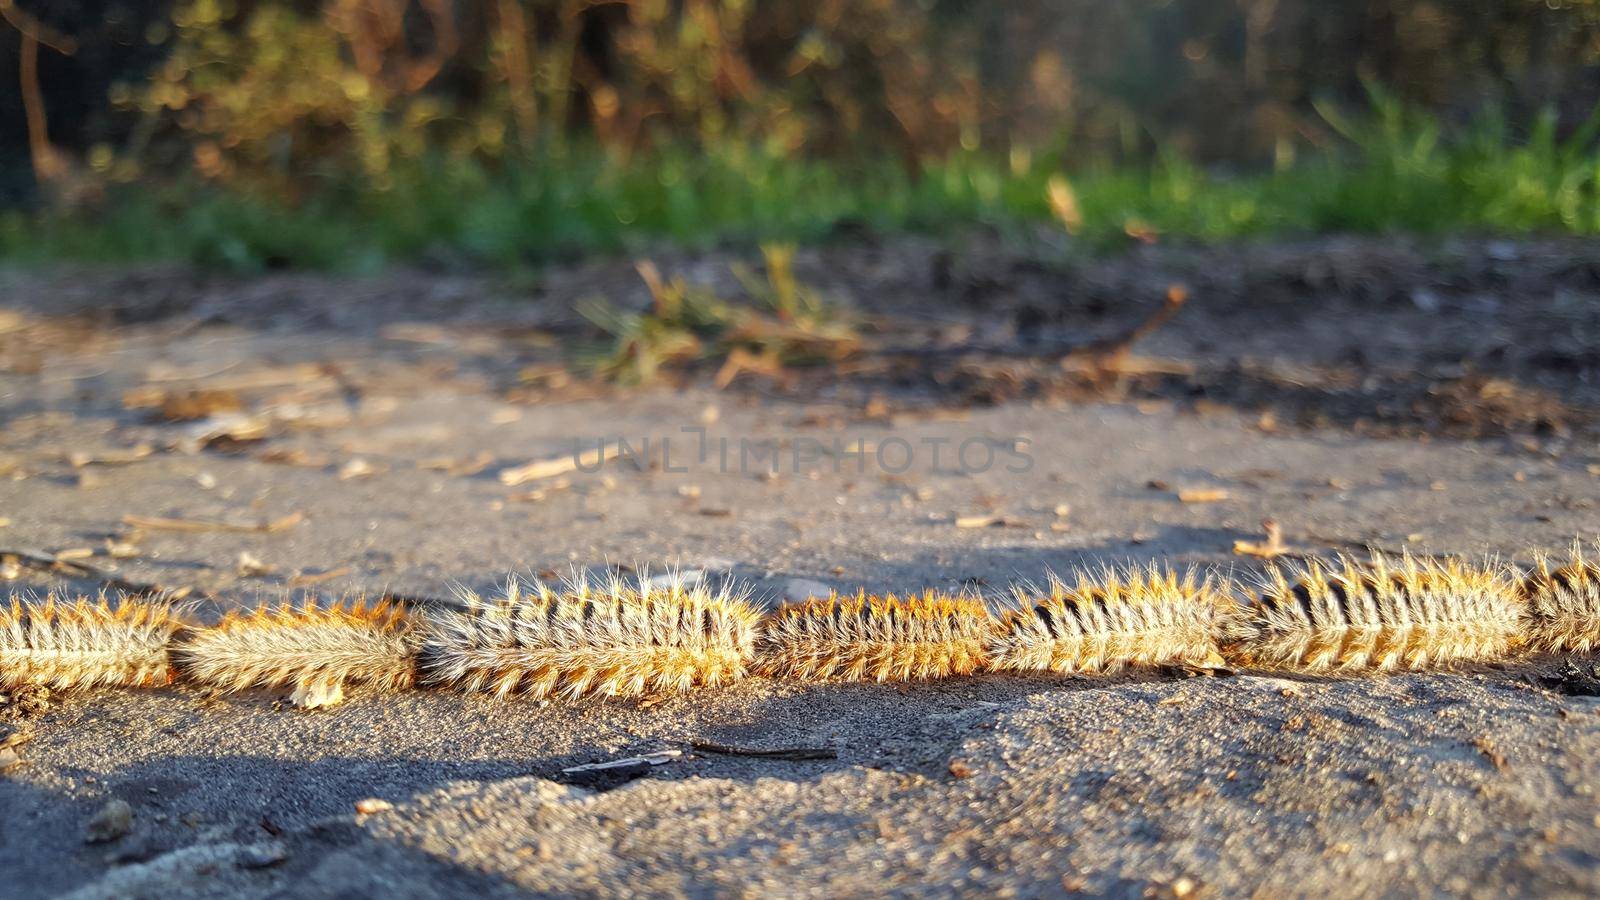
<point x="1563" y="611"/>
<point x="872" y="638"/>
<point x="615" y="639"/>
<point x="1135" y="616"/>
<point x="86" y="643"/>
<point x="318" y="649"/>
<point x="1381" y="615"/>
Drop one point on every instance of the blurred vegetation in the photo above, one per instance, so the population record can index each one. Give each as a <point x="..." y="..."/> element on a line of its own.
<point x="784" y="323"/>
<point x="350" y="133"/>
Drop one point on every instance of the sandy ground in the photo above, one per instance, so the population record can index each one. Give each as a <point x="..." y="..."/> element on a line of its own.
<point x="1476" y="782"/>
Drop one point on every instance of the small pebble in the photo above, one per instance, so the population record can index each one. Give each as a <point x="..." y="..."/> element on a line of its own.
<point x="114" y="820"/>
<point x="804" y="589"/>
<point x="261" y="856"/>
<point x="12" y="736"/>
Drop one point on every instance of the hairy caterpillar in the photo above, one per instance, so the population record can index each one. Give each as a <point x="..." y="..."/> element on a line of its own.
<point x="1142" y="617"/>
<point x="318" y="649"/>
<point x="83" y="643"/>
<point x="613" y="639"/>
<point x="1383" y="614"/>
<point x="1563" y="611"/>
<point x="871" y="638"/>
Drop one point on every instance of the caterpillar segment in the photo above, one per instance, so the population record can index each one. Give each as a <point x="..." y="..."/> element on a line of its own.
<point x="61" y="644"/>
<point x="1383" y="614"/>
<point x="867" y="637"/>
<point x="1563" y="604"/>
<point x="317" y="649"/>
<point x="613" y="639"/>
<point x="1103" y="622"/>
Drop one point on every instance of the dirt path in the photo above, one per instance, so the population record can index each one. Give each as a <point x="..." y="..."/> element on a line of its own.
<point x="352" y="437"/>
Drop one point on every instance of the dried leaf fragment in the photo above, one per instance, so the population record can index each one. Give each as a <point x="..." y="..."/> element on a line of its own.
<point x="1271" y="548"/>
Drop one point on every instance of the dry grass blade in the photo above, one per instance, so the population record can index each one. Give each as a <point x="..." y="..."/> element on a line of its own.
<point x="162" y="523"/>
<point x="1108" y="620"/>
<point x="79" y="458"/>
<point x="872" y="638"/>
<point x="561" y="465"/>
<point x="789" y="753"/>
<point x="307" y="579"/>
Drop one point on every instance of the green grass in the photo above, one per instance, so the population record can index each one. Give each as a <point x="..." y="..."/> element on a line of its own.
<point x="1393" y="172"/>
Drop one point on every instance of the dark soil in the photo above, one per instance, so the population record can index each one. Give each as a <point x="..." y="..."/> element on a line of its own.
<point x="1457" y="338"/>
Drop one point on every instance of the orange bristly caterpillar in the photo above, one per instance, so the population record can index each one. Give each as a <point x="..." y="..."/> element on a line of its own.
<point x="81" y="643"/>
<point x="872" y="638"/>
<point x="1101" y="623"/>
<point x="1381" y="615"/>
<point x="318" y="649"/>
<point x="1563" y="604"/>
<point x="617" y="639"/>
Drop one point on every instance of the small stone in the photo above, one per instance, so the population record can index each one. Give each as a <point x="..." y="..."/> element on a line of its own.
<point x="356" y="468"/>
<point x="251" y="566"/>
<point x="261" y="856"/>
<point x="960" y="769"/>
<point x="1426" y="300"/>
<point x="1281" y="686"/>
<point x="9" y="759"/>
<point x="122" y="549"/>
<point x="12" y="736"/>
<point x="373" y="805"/>
<point x="114" y="820"/>
<point x="29" y="701"/>
<point x="137" y="849"/>
<point x="804" y="589"/>
<point x="687" y="577"/>
<point x="318" y="694"/>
